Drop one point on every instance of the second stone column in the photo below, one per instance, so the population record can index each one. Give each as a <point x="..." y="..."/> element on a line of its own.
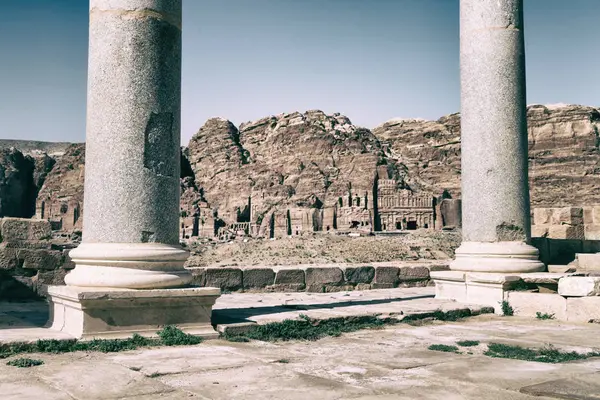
<point x="130" y="226"/>
<point x="495" y="191"/>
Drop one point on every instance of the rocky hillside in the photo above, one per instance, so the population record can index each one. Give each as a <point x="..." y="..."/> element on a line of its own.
<point x="289" y="160"/>
<point x="564" y="156"/>
<point x="64" y="183"/>
<point x="311" y="159"/>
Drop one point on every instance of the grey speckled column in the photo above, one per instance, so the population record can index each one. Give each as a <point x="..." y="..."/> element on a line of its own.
<point x="132" y="147"/>
<point x="495" y="191"/>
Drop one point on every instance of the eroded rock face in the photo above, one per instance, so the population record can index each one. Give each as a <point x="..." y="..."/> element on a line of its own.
<point x="60" y="199"/>
<point x="564" y="157"/>
<point x="290" y="165"/>
<point x="285" y="162"/>
<point x="17" y="187"/>
<point x="429" y="149"/>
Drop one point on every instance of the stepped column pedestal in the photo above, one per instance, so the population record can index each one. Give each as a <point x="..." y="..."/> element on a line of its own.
<point x="495" y="191"/>
<point x="129" y="275"/>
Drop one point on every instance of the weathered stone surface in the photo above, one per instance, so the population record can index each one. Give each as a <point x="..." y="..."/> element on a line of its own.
<point x="526" y="304"/>
<point x="583" y="309"/>
<point x="592" y="232"/>
<point x="581" y="386"/>
<point x="579" y="286"/>
<point x="566" y="232"/>
<point x="413" y="273"/>
<point x="17" y="188"/>
<point x="323" y="276"/>
<point x="492" y="72"/>
<point x="286" y="287"/>
<point x="60" y="198"/>
<point x="140" y="118"/>
<point x="224" y="278"/>
<point x="386" y="275"/>
<point x="40" y="259"/>
<point x="198" y="276"/>
<point x="541" y="231"/>
<point x="290" y="276"/>
<point x="8" y="258"/>
<point x="335" y="289"/>
<point x="256" y="278"/>
<point x="359" y="274"/>
<point x="19" y="229"/>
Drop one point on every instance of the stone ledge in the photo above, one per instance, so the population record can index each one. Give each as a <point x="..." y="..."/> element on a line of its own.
<point x="85" y="313"/>
<point x="320" y="278"/>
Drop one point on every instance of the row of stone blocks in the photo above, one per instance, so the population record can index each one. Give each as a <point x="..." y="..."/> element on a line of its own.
<point x="567" y="223"/>
<point x="571" y="297"/>
<point x="328" y="278"/>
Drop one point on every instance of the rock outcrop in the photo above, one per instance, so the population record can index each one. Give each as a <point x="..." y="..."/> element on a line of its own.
<point x="298" y="160"/>
<point x="564" y="156"/>
<point x="17" y="187"/>
<point x="429" y="149"/>
<point x="60" y="199"/>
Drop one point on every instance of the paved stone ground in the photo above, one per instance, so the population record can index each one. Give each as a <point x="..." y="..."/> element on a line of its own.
<point x="383" y="364"/>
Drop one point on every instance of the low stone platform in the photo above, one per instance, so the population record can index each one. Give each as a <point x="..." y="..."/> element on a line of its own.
<point x="319" y="278"/>
<point x="25" y="321"/>
<point x="568" y="296"/>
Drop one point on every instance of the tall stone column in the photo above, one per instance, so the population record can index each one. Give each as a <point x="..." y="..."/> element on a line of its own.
<point x="129" y="275"/>
<point x="495" y="190"/>
<point x="131" y="194"/>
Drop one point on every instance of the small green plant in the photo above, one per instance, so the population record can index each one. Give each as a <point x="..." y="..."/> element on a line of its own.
<point x="172" y="336"/>
<point x="507" y="309"/>
<point x="546" y="354"/>
<point x="283" y="361"/>
<point x="443" y="347"/>
<point x="236" y="339"/>
<point x="539" y="315"/>
<point x="24" y="362"/>
<point x="468" y="343"/>
<point x="168" y="336"/>
<point x="306" y="328"/>
<point x="520" y="286"/>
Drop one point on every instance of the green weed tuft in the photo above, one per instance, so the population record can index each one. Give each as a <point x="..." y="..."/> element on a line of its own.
<point x="544" y="316"/>
<point x="24" y="363"/>
<point x="443" y="347"/>
<point x="172" y="336"/>
<point x="468" y="343"/>
<point x="546" y="354"/>
<point x="507" y="309"/>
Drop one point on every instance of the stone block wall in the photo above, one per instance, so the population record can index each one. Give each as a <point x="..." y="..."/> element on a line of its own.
<point x="317" y="279"/>
<point x="559" y="223"/>
<point x="28" y="259"/>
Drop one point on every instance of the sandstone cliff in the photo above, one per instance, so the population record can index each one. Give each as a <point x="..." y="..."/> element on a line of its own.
<point x="17" y="187"/>
<point x="61" y="197"/>
<point x="309" y="160"/>
<point x="303" y="160"/>
<point x="564" y="153"/>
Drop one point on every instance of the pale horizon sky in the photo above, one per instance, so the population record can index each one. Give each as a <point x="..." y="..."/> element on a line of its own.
<point x="371" y="60"/>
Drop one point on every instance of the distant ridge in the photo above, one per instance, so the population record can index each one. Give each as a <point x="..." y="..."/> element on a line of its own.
<point x="33" y="146"/>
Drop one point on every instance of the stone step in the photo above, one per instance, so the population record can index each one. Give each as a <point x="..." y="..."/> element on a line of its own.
<point x="319" y="278"/>
<point x="587" y="262"/>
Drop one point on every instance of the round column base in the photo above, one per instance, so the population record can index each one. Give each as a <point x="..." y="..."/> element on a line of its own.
<point x="502" y="257"/>
<point x="128" y="266"/>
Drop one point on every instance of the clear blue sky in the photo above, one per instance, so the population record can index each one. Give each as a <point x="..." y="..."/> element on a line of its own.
<point x="371" y="60"/>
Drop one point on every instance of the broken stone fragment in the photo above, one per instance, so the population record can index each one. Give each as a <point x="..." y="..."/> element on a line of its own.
<point x="579" y="286"/>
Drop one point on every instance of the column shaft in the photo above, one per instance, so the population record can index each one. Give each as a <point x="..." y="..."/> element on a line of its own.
<point x="131" y="222"/>
<point x="495" y="190"/>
